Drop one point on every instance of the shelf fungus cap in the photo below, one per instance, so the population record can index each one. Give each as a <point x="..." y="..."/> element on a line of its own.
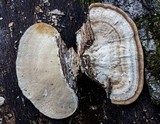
<point x="111" y="52"/>
<point x="39" y="73"/>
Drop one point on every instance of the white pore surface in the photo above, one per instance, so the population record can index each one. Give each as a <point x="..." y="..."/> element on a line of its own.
<point x="113" y="54"/>
<point x="39" y="76"/>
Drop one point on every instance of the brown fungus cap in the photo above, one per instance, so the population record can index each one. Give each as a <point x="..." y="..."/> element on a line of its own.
<point x="39" y="72"/>
<point x="111" y="52"/>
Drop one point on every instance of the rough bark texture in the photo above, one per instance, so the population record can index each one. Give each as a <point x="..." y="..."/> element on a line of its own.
<point x="94" y="108"/>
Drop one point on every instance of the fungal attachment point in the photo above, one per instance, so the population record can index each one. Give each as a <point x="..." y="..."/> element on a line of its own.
<point x="39" y="73"/>
<point x="111" y="52"/>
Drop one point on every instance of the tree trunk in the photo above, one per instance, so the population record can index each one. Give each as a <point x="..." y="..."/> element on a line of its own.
<point x="94" y="107"/>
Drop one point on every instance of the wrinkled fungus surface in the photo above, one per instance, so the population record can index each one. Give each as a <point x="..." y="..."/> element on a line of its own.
<point x="111" y="52"/>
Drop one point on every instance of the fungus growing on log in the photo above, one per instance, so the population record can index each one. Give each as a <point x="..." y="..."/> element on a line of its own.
<point x="41" y="55"/>
<point x="111" y="52"/>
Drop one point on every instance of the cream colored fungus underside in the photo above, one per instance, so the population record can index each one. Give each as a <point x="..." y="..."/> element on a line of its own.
<point x="113" y="53"/>
<point x="39" y="76"/>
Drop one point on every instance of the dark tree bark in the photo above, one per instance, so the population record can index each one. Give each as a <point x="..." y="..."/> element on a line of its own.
<point x="94" y="107"/>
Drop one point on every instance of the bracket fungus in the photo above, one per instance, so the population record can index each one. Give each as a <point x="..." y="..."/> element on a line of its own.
<point x="41" y="56"/>
<point x="111" y="52"/>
